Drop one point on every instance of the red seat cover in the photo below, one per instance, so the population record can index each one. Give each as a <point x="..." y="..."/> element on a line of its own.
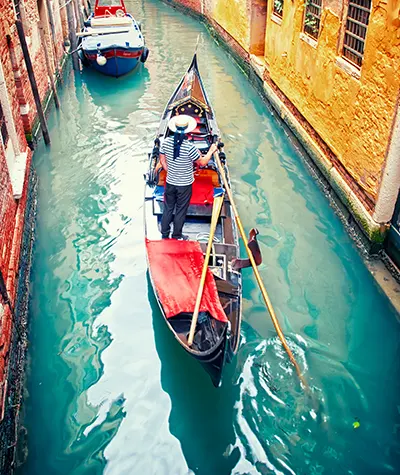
<point x="175" y="268"/>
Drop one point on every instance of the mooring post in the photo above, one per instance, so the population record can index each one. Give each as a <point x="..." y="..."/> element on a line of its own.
<point x="53" y="36"/>
<point x="72" y="34"/>
<point x="48" y="66"/>
<point x="32" y="80"/>
<point x="78" y="13"/>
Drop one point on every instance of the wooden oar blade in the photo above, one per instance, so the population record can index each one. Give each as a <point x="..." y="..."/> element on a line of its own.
<point x="217" y="205"/>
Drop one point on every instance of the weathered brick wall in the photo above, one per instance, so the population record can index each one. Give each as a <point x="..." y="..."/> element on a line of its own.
<point x="8" y="209"/>
<point x="30" y="19"/>
<point x="18" y="84"/>
<point x="7" y="28"/>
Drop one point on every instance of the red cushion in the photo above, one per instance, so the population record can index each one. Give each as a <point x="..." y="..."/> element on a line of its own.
<point x="202" y="191"/>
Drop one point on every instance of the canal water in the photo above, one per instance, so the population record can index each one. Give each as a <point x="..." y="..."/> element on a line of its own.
<point x="109" y="390"/>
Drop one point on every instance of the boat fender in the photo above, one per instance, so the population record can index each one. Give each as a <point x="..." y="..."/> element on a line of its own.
<point x="87" y="23"/>
<point x="145" y="54"/>
<point x="101" y="60"/>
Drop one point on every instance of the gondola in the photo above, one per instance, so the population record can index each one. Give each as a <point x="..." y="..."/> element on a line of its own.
<point x="111" y="41"/>
<point x="175" y="266"/>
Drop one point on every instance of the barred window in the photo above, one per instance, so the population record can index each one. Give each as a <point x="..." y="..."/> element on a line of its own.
<point x="312" y="17"/>
<point x="277" y="7"/>
<point x="356" y="30"/>
<point x="3" y="127"/>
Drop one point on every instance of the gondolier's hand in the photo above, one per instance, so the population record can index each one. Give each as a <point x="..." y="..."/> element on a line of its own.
<point x="202" y="162"/>
<point x="158" y="167"/>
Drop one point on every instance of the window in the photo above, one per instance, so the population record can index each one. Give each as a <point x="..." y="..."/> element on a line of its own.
<point x="356" y="30"/>
<point x="312" y="17"/>
<point x="277" y="8"/>
<point x="3" y="127"/>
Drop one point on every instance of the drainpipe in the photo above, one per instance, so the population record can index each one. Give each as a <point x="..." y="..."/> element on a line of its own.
<point x="389" y="188"/>
<point x="5" y="104"/>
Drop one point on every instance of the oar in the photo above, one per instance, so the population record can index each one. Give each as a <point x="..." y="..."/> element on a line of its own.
<point x="100" y="32"/>
<point x="256" y="272"/>
<point x="218" y="201"/>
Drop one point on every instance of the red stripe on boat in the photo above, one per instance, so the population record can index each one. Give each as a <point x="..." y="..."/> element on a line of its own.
<point x="119" y="54"/>
<point x="122" y="54"/>
<point x="175" y="268"/>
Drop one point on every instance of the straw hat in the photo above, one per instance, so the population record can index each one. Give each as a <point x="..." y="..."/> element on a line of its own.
<point x="183" y="122"/>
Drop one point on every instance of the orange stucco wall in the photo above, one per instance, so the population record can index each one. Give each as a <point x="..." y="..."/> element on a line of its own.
<point x="234" y="17"/>
<point x="353" y="116"/>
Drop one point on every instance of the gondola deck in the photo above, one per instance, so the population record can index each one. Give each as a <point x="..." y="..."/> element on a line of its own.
<point x="216" y="341"/>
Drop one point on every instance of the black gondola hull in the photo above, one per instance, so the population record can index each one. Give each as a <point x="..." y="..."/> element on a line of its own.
<point x="190" y="98"/>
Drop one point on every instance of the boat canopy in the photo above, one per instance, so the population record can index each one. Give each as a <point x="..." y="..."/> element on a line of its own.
<point x="104" y="8"/>
<point x="175" y="270"/>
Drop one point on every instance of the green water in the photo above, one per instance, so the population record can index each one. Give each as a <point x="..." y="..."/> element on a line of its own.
<point x="109" y="390"/>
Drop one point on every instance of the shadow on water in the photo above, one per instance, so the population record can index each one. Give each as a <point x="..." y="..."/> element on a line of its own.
<point x="201" y="416"/>
<point x="122" y="92"/>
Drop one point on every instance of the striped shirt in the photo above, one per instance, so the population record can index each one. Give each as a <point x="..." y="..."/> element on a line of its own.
<point x="180" y="170"/>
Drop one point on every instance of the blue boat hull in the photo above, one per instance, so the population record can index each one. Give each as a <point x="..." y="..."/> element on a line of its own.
<point x="119" y="61"/>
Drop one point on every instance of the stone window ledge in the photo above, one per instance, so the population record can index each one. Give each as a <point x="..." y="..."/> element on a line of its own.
<point x="276" y="19"/>
<point x="18" y="174"/>
<point x="348" y="68"/>
<point x="310" y="41"/>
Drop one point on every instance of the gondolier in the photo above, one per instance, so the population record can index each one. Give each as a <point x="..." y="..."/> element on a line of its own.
<point x="177" y="156"/>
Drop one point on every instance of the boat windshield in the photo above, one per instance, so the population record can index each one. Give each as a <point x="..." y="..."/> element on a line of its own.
<point x="109" y="3"/>
<point x="109" y="8"/>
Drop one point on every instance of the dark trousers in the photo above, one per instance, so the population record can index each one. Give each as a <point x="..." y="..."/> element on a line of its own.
<point x="176" y="198"/>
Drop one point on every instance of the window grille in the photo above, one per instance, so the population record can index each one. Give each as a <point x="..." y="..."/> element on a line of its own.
<point x="3" y="127"/>
<point x="277" y="7"/>
<point x="356" y="30"/>
<point x="312" y="17"/>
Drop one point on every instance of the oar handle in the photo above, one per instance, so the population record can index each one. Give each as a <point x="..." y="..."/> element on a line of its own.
<point x="256" y="271"/>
